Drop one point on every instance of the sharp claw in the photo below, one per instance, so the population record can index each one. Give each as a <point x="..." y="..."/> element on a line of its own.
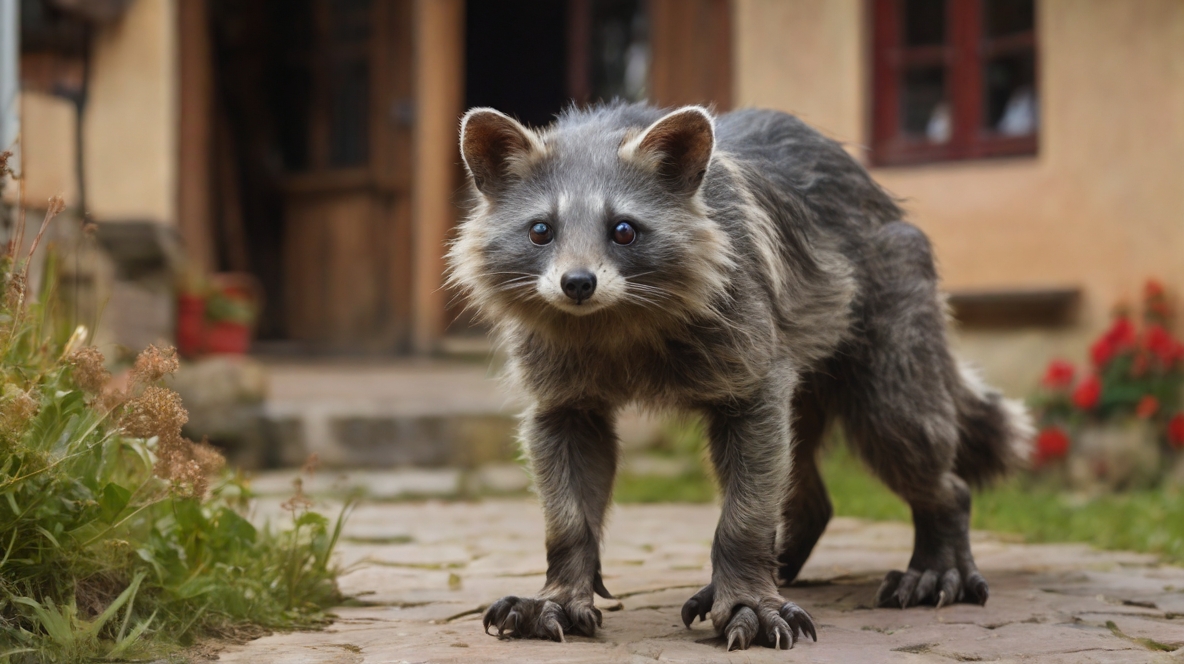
<point x="941" y="599"/>
<point x="888" y="587"/>
<point x="776" y="639"/>
<point x="688" y="611"/>
<point x="554" y="630"/>
<point x="731" y="640"/>
<point x="510" y="622"/>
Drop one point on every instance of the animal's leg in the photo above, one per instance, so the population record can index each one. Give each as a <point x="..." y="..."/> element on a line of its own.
<point x="807" y="508"/>
<point x="900" y="406"/>
<point x="573" y="456"/>
<point x="751" y="454"/>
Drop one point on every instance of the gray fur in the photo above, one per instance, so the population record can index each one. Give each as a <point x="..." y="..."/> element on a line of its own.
<point x="774" y="288"/>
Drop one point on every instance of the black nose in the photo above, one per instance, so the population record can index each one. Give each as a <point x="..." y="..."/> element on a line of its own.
<point x="578" y="285"/>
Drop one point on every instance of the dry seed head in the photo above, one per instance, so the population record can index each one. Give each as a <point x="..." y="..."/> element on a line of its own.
<point x="156" y="412"/>
<point x="298" y="501"/>
<point x="187" y="465"/>
<point x="56" y="205"/>
<point x="90" y="370"/>
<point x="207" y="457"/>
<point x="311" y="465"/>
<point x="14" y="293"/>
<point x="17" y="409"/>
<point x="155" y="363"/>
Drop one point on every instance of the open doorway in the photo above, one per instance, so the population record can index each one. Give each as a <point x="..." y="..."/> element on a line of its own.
<point x="311" y="161"/>
<point x="531" y="58"/>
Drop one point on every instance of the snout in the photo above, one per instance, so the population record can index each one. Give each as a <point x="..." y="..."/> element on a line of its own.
<point x="578" y="285"/>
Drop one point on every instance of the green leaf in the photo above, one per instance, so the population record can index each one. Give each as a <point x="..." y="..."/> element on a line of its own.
<point x="234" y="529"/>
<point x="112" y="501"/>
<point x="312" y="519"/>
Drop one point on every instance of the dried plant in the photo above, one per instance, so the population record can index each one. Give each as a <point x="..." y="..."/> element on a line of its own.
<point x="154" y="363"/>
<point x="110" y="518"/>
<point x="90" y="369"/>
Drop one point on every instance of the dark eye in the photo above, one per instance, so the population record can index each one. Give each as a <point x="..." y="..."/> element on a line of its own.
<point x="541" y="233"/>
<point x="624" y="233"/>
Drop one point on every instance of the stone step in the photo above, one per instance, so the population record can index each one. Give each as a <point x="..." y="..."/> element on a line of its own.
<point x="362" y="414"/>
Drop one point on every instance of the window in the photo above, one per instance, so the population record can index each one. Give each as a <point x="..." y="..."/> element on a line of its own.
<point x="953" y="79"/>
<point x="320" y="80"/>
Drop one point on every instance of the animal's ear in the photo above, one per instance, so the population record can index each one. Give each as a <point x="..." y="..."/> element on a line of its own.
<point x="496" y="148"/>
<point x="678" y="147"/>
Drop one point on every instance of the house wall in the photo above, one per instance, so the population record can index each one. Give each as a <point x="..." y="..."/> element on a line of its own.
<point x="1101" y="206"/>
<point x="130" y="128"/>
<point x="48" y="149"/>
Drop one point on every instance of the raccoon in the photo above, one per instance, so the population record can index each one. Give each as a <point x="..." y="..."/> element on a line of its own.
<point x="745" y="268"/>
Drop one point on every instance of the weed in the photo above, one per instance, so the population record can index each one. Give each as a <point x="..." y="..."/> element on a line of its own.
<point x="120" y="538"/>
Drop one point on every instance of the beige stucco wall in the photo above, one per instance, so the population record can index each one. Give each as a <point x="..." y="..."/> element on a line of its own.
<point x="48" y="131"/>
<point x="1102" y="204"/>
<point x="130" y="128"/>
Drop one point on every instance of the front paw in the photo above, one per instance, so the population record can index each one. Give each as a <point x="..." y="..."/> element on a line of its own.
<point x="769" y="621"/>
<point x="540" y="618"/>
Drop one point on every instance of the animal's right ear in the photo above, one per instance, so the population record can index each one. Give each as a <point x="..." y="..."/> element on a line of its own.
<point x="496" y="149"/>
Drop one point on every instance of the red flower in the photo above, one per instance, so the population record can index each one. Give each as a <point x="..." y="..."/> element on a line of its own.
<point x="1147" y="407"/>
<point x="1153" y="289"/>
<point x="1122" y="332"/>
<point x="1161" y="343"/>
<point x="1052" y="443"/>
<point x="1139" y="366"/>
<point x="1059" y="375"/>
<point x="1120" y="336"/>
<point x="1176" y="431"/>
<point x="1087" y="393"/>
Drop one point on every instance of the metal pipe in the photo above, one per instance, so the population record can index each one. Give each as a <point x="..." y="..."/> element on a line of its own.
<point x="10" y="84"/>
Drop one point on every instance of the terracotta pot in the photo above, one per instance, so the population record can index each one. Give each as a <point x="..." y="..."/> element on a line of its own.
<point x="191" y="324"/>
<point x="227" y="338"/>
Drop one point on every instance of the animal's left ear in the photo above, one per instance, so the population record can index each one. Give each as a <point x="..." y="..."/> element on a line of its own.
<point x="678" y="147"/>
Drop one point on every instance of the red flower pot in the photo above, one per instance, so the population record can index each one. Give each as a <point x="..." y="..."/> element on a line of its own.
<point x="191" y="323"/>
<point x="228" y="338"/>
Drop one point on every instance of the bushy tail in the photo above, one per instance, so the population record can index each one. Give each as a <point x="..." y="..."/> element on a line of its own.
<point x="995" y="434"/>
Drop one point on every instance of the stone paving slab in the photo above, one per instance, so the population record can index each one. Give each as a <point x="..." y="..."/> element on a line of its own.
<point x="421" y="573"/>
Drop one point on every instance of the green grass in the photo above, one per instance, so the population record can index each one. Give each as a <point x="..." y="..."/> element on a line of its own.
<point x="112" y="546"/>
<point x="690" y="487"/>
<point x="1148" y="520"/>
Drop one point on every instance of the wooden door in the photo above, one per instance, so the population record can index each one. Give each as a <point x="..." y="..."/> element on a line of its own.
<point x="691" y="41"/>
<point x="346" y="192"/>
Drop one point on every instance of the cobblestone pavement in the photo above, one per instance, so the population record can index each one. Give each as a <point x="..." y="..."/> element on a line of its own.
<point x="421" y="573"/>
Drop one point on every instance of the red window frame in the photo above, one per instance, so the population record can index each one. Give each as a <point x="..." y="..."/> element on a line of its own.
<point x="966" y="50"/>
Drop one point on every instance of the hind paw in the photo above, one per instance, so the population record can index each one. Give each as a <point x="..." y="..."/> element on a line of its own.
<point x="932" y="587"/>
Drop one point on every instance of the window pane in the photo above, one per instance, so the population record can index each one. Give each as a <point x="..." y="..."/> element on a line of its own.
<point x="620" y="50"/>
<point x="1012" y="108"/>
<point x="924" y="22"/>
<point x="349" y="129"/>
<point x="1006" y="17"/>
<point x="924" y="109"/>
<point x="290" y="98"/>
<point x="351" y="20"/>
<point x="349" y="83"/>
